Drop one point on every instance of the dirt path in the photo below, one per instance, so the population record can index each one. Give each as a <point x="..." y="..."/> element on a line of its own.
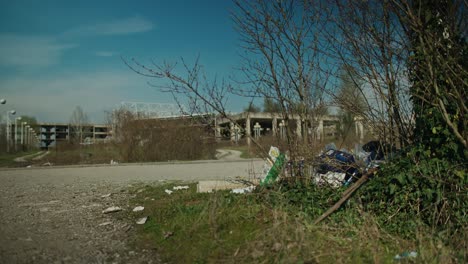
<point x="25" y="158"/>
<point x="54" y="215"/>
<point x="228" y="154"/>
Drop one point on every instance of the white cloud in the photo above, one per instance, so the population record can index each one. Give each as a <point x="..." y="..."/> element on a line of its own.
<point x="105" y="53"/>
<point x="18" y="50"/>
<point x="125" y="26"/>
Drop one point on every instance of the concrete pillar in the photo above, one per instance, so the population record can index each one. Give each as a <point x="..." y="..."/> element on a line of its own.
<point x="320" y="130"/>
<point x="356" y="128"/>
<point x="231" y="131"/>
<point x="360" y="131"/>
<point x="282" y="129"/>
<point x="257" y="130"/>
<point x="299" y="128"/>
<point x="217" y="133"/>
<point x="235" y="132"/>
<point x="274" y="126"/>
<point x="247" y="130"/>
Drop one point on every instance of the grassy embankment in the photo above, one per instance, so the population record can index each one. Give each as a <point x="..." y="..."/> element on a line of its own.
<point x="8" y="159"/>
<point x="271" y="226"/>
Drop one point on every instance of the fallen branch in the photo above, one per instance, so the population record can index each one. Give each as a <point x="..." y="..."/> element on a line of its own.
<point x="346" y="195"/>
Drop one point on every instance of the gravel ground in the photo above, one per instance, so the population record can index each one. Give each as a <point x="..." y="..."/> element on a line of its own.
<point x="54" y="215"/>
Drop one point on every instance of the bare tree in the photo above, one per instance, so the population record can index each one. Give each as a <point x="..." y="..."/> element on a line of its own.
<point x="78" y="120"/>
<point x="280" y="40"/>
<point x="367" y="39"/>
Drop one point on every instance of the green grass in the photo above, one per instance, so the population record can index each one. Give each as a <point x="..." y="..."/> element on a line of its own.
<point x="92" y="154"/>
<point x="228" y="228"/>
<point x="7" y="159"/>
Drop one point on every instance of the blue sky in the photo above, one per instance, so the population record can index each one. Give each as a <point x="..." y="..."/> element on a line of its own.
<point x="55" y="55"/>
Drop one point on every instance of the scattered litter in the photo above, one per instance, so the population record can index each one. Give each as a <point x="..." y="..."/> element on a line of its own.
<point x="47" y="164"/>
<point x="278" y="161"/>
<point x="412" y="254"/>
<point x="106" y="195"/>
<point x="168" y="191"/>
<point x="244" y="190"/>
<point x="330" y="146"/>
<point x="168" y="234"/>
<point x="142" y="220"/>
<point x="336" y="168"/>
<point x="180" y="188"/>
<point x="211" y="186"/>
<point x="105" y="224"/>
<point x="112" y="209"/>
<point x="113" y="162"/>
<point x="274" y="153"/>
<point x="29" y="166"/>
<point x="332" y="179"/>
<point x="138" y="209"/>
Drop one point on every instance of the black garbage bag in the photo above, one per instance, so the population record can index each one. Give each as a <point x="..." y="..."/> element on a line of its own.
<point x="378" y="150"/>
<point x="339" y="161"/>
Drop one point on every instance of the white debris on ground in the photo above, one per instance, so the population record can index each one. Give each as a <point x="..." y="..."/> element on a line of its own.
<point x="142" y="221"/>
<point x="176" y="188"/>
<point x="333" y="179"/>
<point x="168" y="191"/>
<point x="138" y="209"/>
<point x="248" y="189"/>
<point x="112" y="209"/>
<point x="211" y="186"/>
<point x="113" y="162"/>
<point x="105" y="223"/>
<point x="105" y="195"/>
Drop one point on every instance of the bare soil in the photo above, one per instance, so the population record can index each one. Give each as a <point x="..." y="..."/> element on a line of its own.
<point x="54" y="215"/>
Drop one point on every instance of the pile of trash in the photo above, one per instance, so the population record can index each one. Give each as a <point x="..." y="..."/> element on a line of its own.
<point x="332" y="167"/>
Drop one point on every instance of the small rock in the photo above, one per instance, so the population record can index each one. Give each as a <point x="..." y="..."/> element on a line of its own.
<point x="257" y="254"/>
<point x="277" y="247"/>
<point x="105" y="223"/>
<point x="112" y="209"/>
<point x="168" y="234"/>
<point x="138" y="209"/>
<point x="142" y="220"/>
<point x="291" y="245"/>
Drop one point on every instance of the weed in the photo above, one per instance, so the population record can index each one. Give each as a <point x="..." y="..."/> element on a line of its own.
<point x="270" y="226"/>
